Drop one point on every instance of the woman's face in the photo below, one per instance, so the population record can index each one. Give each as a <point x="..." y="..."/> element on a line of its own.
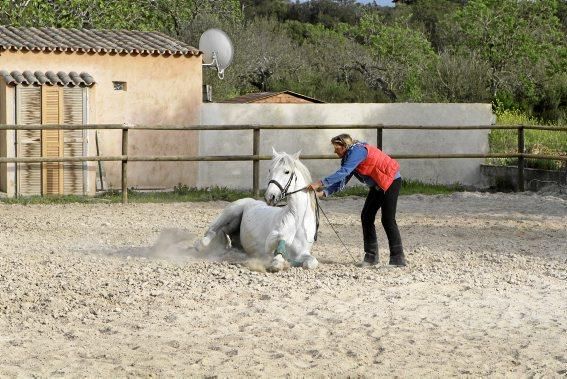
<point x="340" y="150"/>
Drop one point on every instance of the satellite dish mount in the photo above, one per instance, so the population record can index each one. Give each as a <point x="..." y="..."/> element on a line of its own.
<point x="217" y="50"/>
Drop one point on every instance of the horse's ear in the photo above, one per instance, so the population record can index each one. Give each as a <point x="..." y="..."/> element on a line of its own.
<point x="274" y="152"/>
<point x="296" y="155"/>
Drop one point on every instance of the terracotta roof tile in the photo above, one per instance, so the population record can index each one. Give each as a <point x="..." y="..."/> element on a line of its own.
<point x="70" y="79"/>
<point x="91" y="40"/>
<point x="253" y="97"/>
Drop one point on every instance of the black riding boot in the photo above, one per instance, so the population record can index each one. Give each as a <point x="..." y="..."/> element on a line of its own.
<point x="371" y="253"/>
<point x="397" y="257"/>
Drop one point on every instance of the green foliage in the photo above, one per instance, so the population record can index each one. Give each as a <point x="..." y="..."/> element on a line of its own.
<point x="409" y="187"/>
<point x="522" y="42"/>
<point x="326" y="12"/>
<point x="509" y="52"/>
<point x="175" y="17"/>
<point x="184" y="193"/>
<point x="32" y="200"/>
<point x="541" y="142"/>
<point x="405" y="54"/>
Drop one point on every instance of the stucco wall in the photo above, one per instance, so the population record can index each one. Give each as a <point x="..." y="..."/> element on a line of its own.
<point x="160" y="91"/>
<point x="443" y="171"/>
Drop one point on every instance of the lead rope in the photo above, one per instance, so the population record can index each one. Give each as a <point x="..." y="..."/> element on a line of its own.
<point x="317" y="209"/>
<point x="332" y="227"/>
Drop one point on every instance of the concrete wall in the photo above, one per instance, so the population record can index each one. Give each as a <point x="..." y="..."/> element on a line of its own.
<point x="443" y="171"/>
<point x="160" y="91"/>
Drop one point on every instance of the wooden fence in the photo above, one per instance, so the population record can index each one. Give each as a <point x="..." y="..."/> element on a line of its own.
<point x="256" y="157"/>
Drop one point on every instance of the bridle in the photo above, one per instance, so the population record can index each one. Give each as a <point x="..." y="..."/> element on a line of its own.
<point x="285" y="193"/>
<point x="283" y="189"/>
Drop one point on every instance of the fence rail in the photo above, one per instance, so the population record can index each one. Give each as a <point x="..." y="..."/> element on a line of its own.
<point x="256" y="157"/>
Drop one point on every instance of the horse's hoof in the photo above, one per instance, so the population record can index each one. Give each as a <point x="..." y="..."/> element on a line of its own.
<point x="278" y="264"/>
<point x="206" y="240"/>
<point x="310" y="263"/>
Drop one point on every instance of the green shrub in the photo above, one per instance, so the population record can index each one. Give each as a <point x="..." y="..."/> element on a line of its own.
<point x="541" y="142"/>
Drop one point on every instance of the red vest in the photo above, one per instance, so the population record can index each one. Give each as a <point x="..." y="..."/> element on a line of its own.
<point x="379" y="166"/>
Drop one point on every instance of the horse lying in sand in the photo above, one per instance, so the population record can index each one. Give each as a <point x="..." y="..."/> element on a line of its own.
<point x="283" y="235"/>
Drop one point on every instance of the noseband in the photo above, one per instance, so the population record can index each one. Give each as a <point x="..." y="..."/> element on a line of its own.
<point x="283" y="190"/>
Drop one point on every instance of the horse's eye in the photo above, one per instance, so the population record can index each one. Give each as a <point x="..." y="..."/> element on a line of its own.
<point x="286" y="172"/>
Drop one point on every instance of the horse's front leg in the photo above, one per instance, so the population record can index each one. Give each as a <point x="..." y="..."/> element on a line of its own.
<point x="302" y="256"/>
<point x="305" y="260"/>
<point x="275" y="248"/>
<point x="278" y="243"/>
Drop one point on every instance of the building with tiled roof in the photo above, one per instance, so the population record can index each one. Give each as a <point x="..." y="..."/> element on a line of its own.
<point x="81" y="76"/>
<point x="92" y="41"/>
<point x="281" y="97"/>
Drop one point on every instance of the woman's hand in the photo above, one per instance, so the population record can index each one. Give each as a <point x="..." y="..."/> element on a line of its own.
<point x="315" y="185"/>
<point x="320" y="194"/>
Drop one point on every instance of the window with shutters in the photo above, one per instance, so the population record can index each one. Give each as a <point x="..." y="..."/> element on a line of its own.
<point x="50" y="105"/>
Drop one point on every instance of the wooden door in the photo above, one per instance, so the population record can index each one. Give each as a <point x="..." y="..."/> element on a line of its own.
<point x="28" y="175"/>
<point x="73" y="141"/>
<point x="50" y="105"/>
<point x="52" y="140"/>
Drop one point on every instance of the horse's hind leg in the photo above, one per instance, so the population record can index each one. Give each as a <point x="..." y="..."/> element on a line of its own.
<point x="227" y="223"/>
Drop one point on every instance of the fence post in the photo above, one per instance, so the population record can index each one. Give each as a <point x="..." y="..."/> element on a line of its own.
<point x="256" y="164"/>
<point x="125" y="165"/>
<point x="379" y="138"/>
<point x="521" y="151"/>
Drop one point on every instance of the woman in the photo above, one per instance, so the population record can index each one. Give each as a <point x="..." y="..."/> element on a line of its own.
<point x="381" y="173"/>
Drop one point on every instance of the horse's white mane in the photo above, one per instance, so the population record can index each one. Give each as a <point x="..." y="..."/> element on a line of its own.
<point x="284" y="158"/>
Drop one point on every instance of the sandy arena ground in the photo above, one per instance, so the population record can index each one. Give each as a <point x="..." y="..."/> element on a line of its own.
<point x="110" y="291"/>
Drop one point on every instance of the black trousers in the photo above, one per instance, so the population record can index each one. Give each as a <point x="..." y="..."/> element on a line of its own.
<point x="388" y="201"/>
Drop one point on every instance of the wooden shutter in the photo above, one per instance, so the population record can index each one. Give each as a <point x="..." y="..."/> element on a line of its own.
<point x="52" y="140"/>
<point x="28" y="100"/>
<point x="73" y="140"/>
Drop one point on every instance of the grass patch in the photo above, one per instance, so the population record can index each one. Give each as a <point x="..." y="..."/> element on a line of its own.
<point x="68" y="199"/>
<point x="180" y="193"/>
<point x="542" y="142"/>
<point x="183" y="193"/>
<point x="409" y="187"/>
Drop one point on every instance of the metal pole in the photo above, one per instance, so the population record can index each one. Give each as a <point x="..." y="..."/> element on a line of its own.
<point x="379" y="138"/>
<point x="125" y="166"/>
<point x="521" y="151"/>
<point x="256" y="164"/>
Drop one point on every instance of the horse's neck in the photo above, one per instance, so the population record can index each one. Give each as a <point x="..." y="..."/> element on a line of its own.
<point x="299" y="203"/>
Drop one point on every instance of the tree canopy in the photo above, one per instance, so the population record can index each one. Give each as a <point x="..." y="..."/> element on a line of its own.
<point x="512" y="53"/>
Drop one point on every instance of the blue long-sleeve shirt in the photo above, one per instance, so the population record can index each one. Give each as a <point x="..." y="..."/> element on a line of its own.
<point x="339" y="179"/>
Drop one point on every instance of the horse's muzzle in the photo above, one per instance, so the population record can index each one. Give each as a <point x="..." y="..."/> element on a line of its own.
<point x="271" y="199"/>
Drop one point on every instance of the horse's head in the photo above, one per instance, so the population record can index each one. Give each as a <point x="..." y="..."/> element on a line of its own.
<point x="283" y="176"/>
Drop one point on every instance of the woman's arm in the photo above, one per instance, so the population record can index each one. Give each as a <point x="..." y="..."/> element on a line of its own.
<point x="336" y="181"/>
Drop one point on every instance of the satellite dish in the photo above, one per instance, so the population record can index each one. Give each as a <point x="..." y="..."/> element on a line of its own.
<point x="217" y="50"/>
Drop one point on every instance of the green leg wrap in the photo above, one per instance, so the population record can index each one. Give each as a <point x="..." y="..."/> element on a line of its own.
<point x="281" y="249"/>
<point x="295" y="263"/>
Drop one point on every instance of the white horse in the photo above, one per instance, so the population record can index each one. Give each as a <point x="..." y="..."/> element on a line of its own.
<point x="283" y="235"/>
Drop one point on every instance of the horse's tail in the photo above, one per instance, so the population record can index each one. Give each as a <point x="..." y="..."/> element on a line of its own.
<point x="228" y="222"/>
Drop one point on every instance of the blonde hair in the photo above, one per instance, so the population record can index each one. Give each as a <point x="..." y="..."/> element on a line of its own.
<point x="343" y="140"/>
